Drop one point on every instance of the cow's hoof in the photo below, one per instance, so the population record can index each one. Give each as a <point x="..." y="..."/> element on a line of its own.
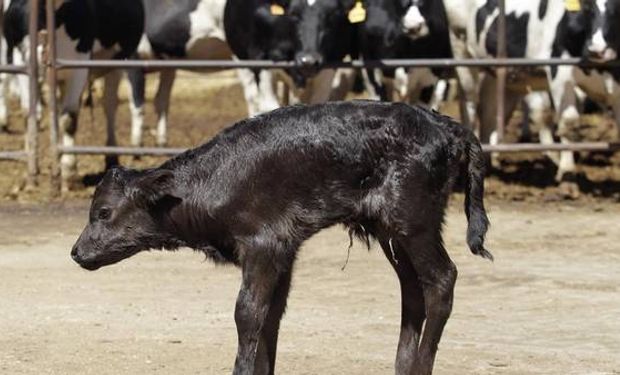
<point x="569" y="190"/>
<point x="71" y="184"/>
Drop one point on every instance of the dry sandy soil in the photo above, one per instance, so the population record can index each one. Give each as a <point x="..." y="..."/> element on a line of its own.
<point x="548" y="305"/>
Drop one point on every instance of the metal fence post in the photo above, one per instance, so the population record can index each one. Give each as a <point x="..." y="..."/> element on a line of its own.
<point x="53" y="107"/>
<point x="33" y="92"/>
<point x="501" y="71"/>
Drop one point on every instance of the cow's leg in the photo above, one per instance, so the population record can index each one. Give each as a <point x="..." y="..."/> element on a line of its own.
<point x="68" y="122"/>
<point x="162" y="103"/>
<point x="488" y="113"/>
<point x="321" y="87"/>
<point x="110" y="104"/>
<point x="539" y="106"/>
<point x="4" y="86"/>
<point x="136" y="78"/>
<point x="259" y="285"/>
<point x="439" y="93"/>
<point x="268" y="99"/>
<point x="468" y="80"/>
<point x="266" y="354"/>
<point x="412" y="307"/>
<point x="437" y="275"/>
<point x="250" y="90"/>
<point x="565" y="100"/>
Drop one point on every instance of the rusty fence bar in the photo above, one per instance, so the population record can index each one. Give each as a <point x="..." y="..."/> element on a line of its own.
<point x="514" y="147"/>
<point x="30" y="152"/>
<point x="52" y="82"/>
<point x="386" y="63"/>
<point x="500" y="72"/>
<point x="32" y="124"/>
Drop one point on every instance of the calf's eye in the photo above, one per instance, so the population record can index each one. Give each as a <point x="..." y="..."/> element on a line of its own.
<point x="104" y="214"/>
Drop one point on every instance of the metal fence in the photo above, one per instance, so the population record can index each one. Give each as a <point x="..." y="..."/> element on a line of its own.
<point x="29" y="153"/>
<point x="54" y="64"/>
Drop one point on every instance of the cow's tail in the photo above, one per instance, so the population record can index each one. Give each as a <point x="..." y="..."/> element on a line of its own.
<point x="478" y="222"/>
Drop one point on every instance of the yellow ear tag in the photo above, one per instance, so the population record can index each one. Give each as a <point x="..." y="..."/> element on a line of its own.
<point x="357" y="14"/>
<point x="572" y="5"/>
<point x="276" y="10"/>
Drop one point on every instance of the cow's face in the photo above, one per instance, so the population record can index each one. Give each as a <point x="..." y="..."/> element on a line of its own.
<point x="414" y="23"/>
<point x="322" y="31"/>
<point x="604" y="43"/>
<point x="124" y="217"/>
<point x="385" y="25"/>
<point x="277" y="31"/>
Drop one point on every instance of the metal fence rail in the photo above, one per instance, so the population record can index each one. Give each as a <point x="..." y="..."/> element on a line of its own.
<point x="30" y="153"/>
<point x="55" y="64"/>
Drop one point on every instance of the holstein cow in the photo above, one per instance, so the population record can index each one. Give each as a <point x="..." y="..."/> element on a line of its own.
<point x="405" y="29"/>
<point x="15" y="46"/>
<point x="535" y="29"/>
<point x="326" y="33"/>
<point x="85" y="30"/>
<point x="208" y="30"/>
<point x="256" y="192"/>
<point x="183" y="29"/>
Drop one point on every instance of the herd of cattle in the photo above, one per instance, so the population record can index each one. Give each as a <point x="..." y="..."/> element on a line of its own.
<point x="315" y="32"/>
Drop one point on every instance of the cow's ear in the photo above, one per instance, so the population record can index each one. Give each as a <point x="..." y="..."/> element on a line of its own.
<point x="151" y="187"/>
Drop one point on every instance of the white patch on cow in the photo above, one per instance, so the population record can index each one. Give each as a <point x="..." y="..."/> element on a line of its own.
<point x="268" y="100"/>
<point x="145" y="51"/>
<point x="414" y="24"/>
<point x="137" y="122"/>
<point x="206" y="35"/>
<point x="311" y="2"/>
<point x="599" y="49"/>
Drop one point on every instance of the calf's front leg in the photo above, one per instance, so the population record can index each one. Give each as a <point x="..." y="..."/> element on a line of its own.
<point x="260" y="305"/>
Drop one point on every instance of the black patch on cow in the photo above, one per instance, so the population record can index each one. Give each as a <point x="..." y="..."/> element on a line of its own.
<point x="542" y="9"/>
<point x="483" y="14"/>
<point x="110" y="22"/>
<point x="15" y="25"/>
<point x="571" y="35"/>
<point x="516" y="35"/>
<point x="168" y="26"/>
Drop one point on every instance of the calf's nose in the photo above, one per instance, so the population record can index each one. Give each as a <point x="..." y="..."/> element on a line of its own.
<point x="74" y="254"/>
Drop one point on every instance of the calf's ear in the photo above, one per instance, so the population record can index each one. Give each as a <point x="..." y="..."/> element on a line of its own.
<point x="151" y="187"/>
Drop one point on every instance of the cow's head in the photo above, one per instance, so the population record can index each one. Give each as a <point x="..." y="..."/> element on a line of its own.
<point x="385" y="25"/>
<point x="414" y="23"/>
<point x="604" y="42"/>
<point x="323" y="32"/>
<point x="126" y="216"/>
<point x="277" y="31"/>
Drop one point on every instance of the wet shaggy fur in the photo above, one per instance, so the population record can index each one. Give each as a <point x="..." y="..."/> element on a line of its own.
<point x="258" y="190"/>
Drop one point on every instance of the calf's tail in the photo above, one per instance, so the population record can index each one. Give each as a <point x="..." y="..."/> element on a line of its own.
<point x="478" y="222"/>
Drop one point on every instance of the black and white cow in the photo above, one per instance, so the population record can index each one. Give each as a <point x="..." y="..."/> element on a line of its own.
<point x="183" y="29"/>
<point x="15" y="51"/>
<point x="535" y="29"/>
<point x="404" y="29"/>
<point x="84" y="30"/>
<point x="208" y="30"/>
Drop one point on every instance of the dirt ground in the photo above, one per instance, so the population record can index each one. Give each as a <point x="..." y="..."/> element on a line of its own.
<point x="548" y="305"/>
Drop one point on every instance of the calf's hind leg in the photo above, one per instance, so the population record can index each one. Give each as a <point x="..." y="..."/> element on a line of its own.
<point x="437" y="275"/>
<point x="412" y="307"/>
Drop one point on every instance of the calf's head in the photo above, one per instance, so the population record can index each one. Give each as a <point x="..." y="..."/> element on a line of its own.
<point x="125" y="216"/>
<point x="604" y="42"/>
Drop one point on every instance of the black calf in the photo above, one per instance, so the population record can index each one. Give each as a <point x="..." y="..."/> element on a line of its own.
<point x="257" y="191"/>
